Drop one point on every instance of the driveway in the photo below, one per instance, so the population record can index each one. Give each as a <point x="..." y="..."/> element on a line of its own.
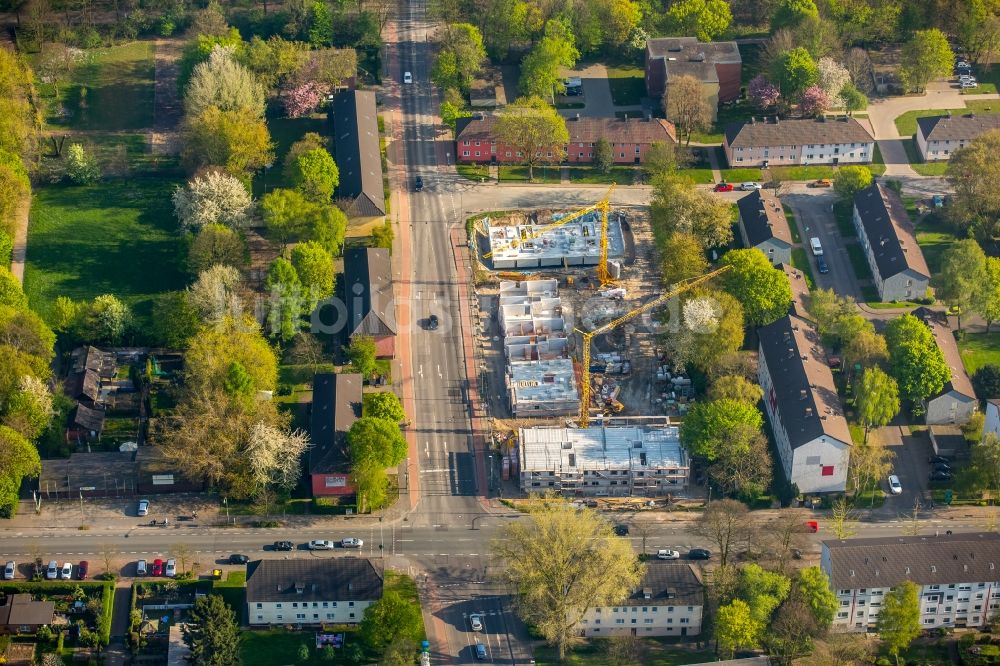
<point x="910" y="465"/>
<point x="814" y="215"/>
<point x="596" y="95"/>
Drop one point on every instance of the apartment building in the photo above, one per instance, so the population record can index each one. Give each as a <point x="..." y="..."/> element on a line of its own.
<point x="784" y="142"/>
<point x="763" y="225"/>
<point x="956" y="402"/>
<point x="938" y="137"/>
<point x="716" y="65"/>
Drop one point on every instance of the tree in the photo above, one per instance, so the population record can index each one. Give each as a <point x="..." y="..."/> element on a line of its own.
<point x="677" y="206"/>
<point x="734" y="387"/>
<point x="743" y="466"/>
<point x="814" y="101"/>
<point x="816" y="592"/>
<point x="869" y="464"/>
<point x="212" y="633"/>
<point x="842" y="519"/>
<point x="728" y="524"/>
<point x="362" y="354"/>
<point x="762" y="93"/>
<point x="706" y="19"/>
<point x="979" y="31"/>
<point x="81" y="168"/>
<point x="790" y="633"/>
<point x="761" y="288"/>
<point x="561" y="562"/>
<point x="309" y="141"/>
<point x="372" y="484"/>
<point x="851" y="179"/>
<point x="984" y="468"/>
<point x="18" y="459"/>
<point x="213" y="349"/>
<point x="382" y="236"/>
<point x="899" y="619"/>
<point x="962" y="276"/>
<point x="972" y="171"/>
<point x="215" y="294"/>
<point x="273" y="456"/>
<point x="534" y="130"/>
<point x="828" y="309"/>
<point x="384" y="405"/>
<point x="287" y="302"/>
<point x="106" y="319"/>
<point x="377" y="440"/>
<point x="389" y="618"/>
<point x="832" y="77"/>
<point x="223" y="83"/>
<point x="214" y="245"/>
<point x="302" y="99"/>
<point x="285" y="214"/>
<point x="711" y="327"/>
<point x="986" y="381"/>
<point x="987" y="296"/>
<point x="624" y="650"/>
<point x="29" y="410"/>
<point x="11" y="293"/>
<point x="852" y="99"/>
<point x="320" y="30"/>
<point x="681" y="257"/>
<point x="709" y="426"/>
<point x="214" y="198"/>
<point x="237" y="141"/>
<point x="915" y="360"/>
<point x="459" y="58"/>
<point x="315" y="174"/>
<point x="861" y="344"/>
<point x="791" y="12"/>
<point x="314" y="266"/>
<point x="604" y="157"/>
<point x="878" y="399"/>
<point x="450" y="112"/>
<point x="735" y="627"/>
<point x="926" y="56"/>
<point x="784" y="534"/>
<point x="541" y="69"/>
<point x="793" y="72"/>
<point x="685" y="105"/>
<point x="662" y="158"/>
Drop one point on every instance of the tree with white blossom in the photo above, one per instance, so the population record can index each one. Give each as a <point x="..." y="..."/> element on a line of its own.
<point x="273" y="455"/>
<point x="215" y="294"/>
<point x="832" y="76"/>
<point x="225" y="84"/>
<point x="214" y="198"/>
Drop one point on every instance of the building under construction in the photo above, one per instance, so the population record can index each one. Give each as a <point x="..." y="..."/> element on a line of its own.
<point x="515" y="241"/>
<point x="605" y="461"/>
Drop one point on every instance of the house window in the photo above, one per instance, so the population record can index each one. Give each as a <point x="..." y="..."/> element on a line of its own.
<point x="581" y="154"/>
<point x="622" y="154"/>
<point x="507" y="154"/>
<point x="350" y="604"/>
<point x="329" y="616"/>
<point x="477" y="153"/>
<point x="280" y="617"/>
<point x="260" y="617"/>
<point x="352" y="615"/>
<point x="620" y="620"/>
<point x="465" y="153"/>
<point x="326" y="604"/>
<point x="477" y="143"/>
<point x="827" y="470"/>
<point x="295" y="605"/>
<point x="278" y="605"/>
<point x="465" y="143"/>
<point x="648" y="620"/>
<point x="260" y="605"/>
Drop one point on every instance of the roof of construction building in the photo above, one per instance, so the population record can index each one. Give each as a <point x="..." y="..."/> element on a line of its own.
<point x="601" y="447"/>
<point x="577" y="238"/>
<point x="542" y="381"/>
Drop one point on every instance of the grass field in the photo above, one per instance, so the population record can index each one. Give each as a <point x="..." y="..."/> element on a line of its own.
<point x="546" y="174"/>
<point x="877" y="166"/>
<point x="628" y="85"/>
<point x="906" y="124"/>
<point x="117" y="237"/>
<point x="111" y="90"/>
<point x="979" y="349"/>
<point x="800" y="260"/>
<point x="859" y="262"/>
<point x="793" y="226"/>
<point x="623" y="175"/>
<point x="654" y="653"/>
<point x="727" y="115"/>
<point x="233" y="590"/>
<point x="277" y="646"/>
<point x="934" y="236"/>
<point x="473" y="171"/>
<point x="737" y="176"/>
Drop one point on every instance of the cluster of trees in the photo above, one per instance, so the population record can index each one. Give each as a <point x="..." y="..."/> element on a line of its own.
<point x="18" y="134"/>
<point x="974" y="209"/>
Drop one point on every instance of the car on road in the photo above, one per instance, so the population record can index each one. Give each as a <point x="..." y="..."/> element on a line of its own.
<point x="942" y="467"/>
<point x="10" y="570"/>
<point x="481" y="652"/>
<point x="52" y="571"/>
<point x="939" y="459"/>
<point x="822" y="182"/>
<point x="821" y="265"/>
<point x="170" y="568"/>
<point x="140" y="568"/>
<point x="236" y="558"/>
<point x="816" y="246"/>
<point x="667" y="554"/>
<point x="321" y="544"/>
<point x="723" y="187"/>
<point x="81" y="570"/>
<point x="476" y="622"/>
<point x="750" y="187"/>
<point x="283" y="545"/>
<point x="433" y="322"/>
<point x="895" y="487"/>
<point x="699" y="554"/>
<point x="143" y="507"/>
<point x="351" y="542"/>
<point x="407" y="77"/>
<point x="621" y="530"/>
<point x="418" y="184"/>
<point x="157" y="568"/>
<point x="67" y="571"/>
<point x="941" y="476"/>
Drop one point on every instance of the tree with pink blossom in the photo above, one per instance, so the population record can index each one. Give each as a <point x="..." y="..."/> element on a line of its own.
<point x="302" y="99"/>
<point x="762" y="92"/>
<point x="814" y="101"/>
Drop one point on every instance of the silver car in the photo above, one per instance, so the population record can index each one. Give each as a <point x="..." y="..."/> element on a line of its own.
<point x="10" y="570"/>
<point x="321" y="544"/>
<point x="143" y="507"/>
<point x="351" y="542"/>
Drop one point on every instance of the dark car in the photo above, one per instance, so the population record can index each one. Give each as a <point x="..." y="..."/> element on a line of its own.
<point x="621" y="530"/>
<point x="418" y="184"/>
<point x="238" y="559"/>
<point x="942" y="467"/>
<point x="432" y="322"/>
<point x="81" y="570"/>
<point x="699" y="554"/>
<point x="283" y="545"/>
<point x="939" y="459"/>
<point x="821" y="264"/>
<point x="941" y="476"/>
<point x="481" y="652"/>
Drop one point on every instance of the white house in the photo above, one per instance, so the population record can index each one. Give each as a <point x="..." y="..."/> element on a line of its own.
<point x="890" y="244"/>
<point x="801" y="401"/>
<point x="797" y="141"/>
<point x="956" y="402"/>
<point x="992" y="423"/>
<point x="312" y="591"/>
<point x="668" y="602"/>
<point x="938" y="137"/>
<point x="763" y="225"/>
<point x="958" y="576"/>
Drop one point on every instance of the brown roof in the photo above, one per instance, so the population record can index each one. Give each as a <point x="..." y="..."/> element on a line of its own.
<point x="957" y="128"/>
<point x="938" y="323"/>
<point x="18" y="609"/>
<point x="89" y="419"/>
<point x="689" y="49"/>
<point x="796" y="132"/>
<point x="805" y="393"/>
<point x="926" y="560"/>
<point x="92" y="358"/>
<point x="336" y="405"/>
<point x="800" y="291"/>
<point x="763" y="218"/>
<point x="359" y="157"/>
<point x="368" y="285"/>
<point x="890" y="233"/>
<point x="84" y="384"/>
<point x="584" y="130"/>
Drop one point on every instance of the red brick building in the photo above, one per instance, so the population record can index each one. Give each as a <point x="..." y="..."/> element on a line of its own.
<point x="336" y="405"/>
<point x="717" y="65"/>
<point x="630" y="139"/>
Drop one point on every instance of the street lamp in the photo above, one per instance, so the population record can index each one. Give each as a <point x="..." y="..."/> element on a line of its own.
<point x="267" y="167"/>
<point x="225" y="503"/>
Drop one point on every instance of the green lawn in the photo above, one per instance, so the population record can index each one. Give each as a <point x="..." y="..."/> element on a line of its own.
<point x="859" y="262"/>
<point x="726" y="116"/>
<point x="793" y="226"/>
<point x="623" y="175"/>
<point x="906" y="124"/>
<point x="654" y="653"/>
<point x="700" y="175"/>
<point x="917" y="163"/>
<point x="116" y="237"/>
<point x="843" y="212"/>
<point x="628" y="85"/>
<point x="546" y="174"/>
<point x="277" y="646"/>
<point x="737" y="176"/>
<point x="891" y="305"/>
<point x="233" y="590"/>
<point x="285" y="132"/>
<point x="111" y="90"/>
<point x="979" y="349"/>
<point x="473" y="171"/>
<point x="800" y="260"/>
<point x="877" y="166"/>
<point x="934" y="236"/>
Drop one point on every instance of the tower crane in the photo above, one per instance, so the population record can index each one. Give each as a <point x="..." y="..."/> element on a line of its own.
<point x="604" y="206"/>
<point x="615" y="323"/>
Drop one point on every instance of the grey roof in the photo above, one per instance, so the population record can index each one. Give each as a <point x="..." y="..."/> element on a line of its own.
<point x="88" y="418"/>
<point x="890" y="233"/>
<point x="957" y="128"/>
<point x="763" y="218"/>
<point x="18" y="609"/>
<point x="689" y="49"/>
<point x="359" y="158"/>
<point x="800" y="290"/>
<point x="92" y="358"/>
<point x="83" y="384"/>
<point x="804" y="392"/>
<point x="368" y="290"/>
<point x="925" y="560"/>
<point x="668" y="584"/>
<point x="796" y="132"/>
<point x="937" y="321"/>
<point x="333" y="579"/>
<point x="336" y="405"/>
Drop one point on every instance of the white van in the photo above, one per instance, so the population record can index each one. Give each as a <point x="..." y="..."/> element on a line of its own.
<point x="816" y="246"/>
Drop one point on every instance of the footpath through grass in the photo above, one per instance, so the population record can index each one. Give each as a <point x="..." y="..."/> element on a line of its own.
<point x="917" y="163"/>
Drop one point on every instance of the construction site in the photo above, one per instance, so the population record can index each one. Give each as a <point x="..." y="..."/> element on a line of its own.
<point x="571" y="310"/>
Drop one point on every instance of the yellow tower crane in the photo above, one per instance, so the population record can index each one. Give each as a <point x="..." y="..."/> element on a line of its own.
<point x="604" y="206"/>
<point x="615" y="323"/>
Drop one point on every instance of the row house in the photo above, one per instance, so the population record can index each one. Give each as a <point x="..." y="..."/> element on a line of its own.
<point x="776" y="142"/>
<point x="938" y="137"/>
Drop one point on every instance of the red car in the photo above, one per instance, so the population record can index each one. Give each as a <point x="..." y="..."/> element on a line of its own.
<point x="723" y="187"/>
<point x="812" y="525"/>
<point x="157" y="569"/>
<point x="81" y="570"/>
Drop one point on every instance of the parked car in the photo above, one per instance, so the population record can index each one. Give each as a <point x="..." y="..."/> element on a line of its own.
<point x="10" y="570"/>
<point x="939" y="459"/>
<point x="81" y="570"/>
<point x="942" y="467"/>
<point x="821" y="264"/>
<point x="816" y="246"/>
<point x="418" y="184"/>
<point x="52" y="571"/>
<point x="321" y="544"/>
<point x="822" y="182"/>
<point x="238" y="559"/>
<point x="723" y="187"/>
<point x="283" y="545"/>
<point x="621" y="530"/>
<point x="67" y="571"/>
<point x="812" y="525"/>
<point x="699" y="554"/>
<point x="140" y="568"/>
<point x="966" y="85"/>
<point x="170" y="569"/>
<point x="667" y="554"/>
<point x="481" y="652"/>
<point x="433" y="322"/>
<point x="351" y="542"/>
<point x="749" y="187"/>
<point x="938" y="201"/>
<point x="895" y="487"/>
<point x="476" y="622"/>
<point x="157" y="568"/>
<point x="941" y="476"/>
<point x="143" y="507"/>
<point x="407" y="77"/>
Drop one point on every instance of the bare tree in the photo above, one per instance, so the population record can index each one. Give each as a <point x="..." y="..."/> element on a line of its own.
<point x="686" y="107"/>
<point x="624" y="650"/>
<point x="913" y="524"/>
<point x="859" y="66"/>
<point x="842" y="519"/>
<point x="107" y="555"/>
<point x="182" y="552"/>
<point x="644" y="529"/>
<point x="783" y="535"/>
<point x="728" y="524"/>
